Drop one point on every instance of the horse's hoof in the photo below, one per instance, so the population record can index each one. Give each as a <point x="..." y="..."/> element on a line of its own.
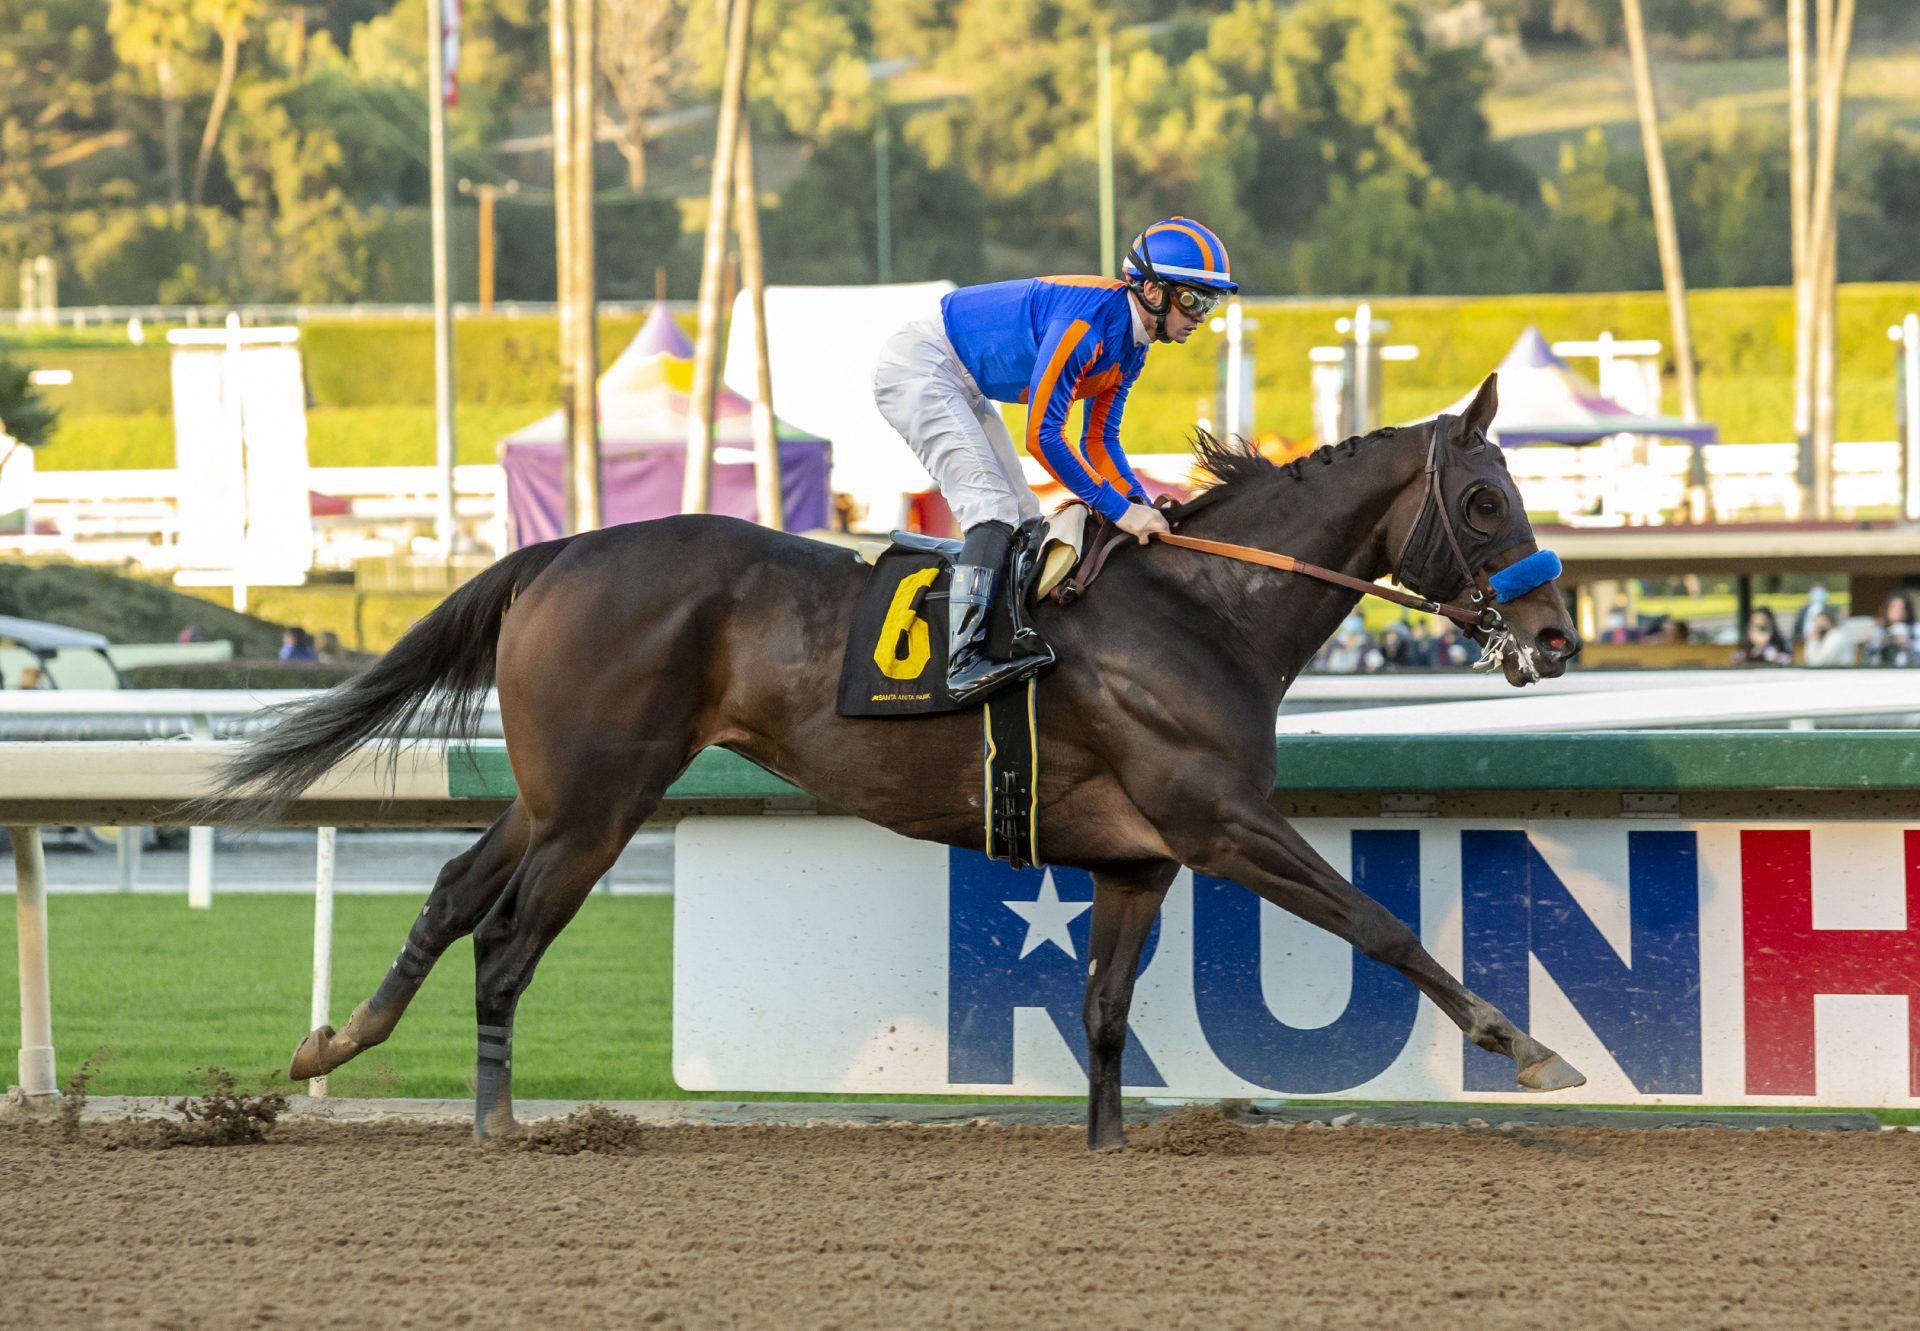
<point x="309" y="1060"/>
<point x="1552" y="1073"/>
<point x="497" y="1124"/>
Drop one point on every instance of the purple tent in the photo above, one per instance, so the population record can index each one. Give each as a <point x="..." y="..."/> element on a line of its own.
<point x="643" y="440"/>
<point x="1545" y="401"/>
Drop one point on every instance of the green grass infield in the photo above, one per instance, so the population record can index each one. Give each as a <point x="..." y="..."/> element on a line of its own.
<point x="160" y="993"/>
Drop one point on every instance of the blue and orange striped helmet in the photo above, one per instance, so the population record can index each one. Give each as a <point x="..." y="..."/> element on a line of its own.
<point x="1180" y="252"/>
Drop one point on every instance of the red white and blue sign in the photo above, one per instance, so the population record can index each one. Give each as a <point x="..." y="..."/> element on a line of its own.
<point x="1673" y="963"/>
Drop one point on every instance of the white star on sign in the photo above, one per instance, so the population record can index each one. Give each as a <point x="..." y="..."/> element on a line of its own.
<point x="1047" y="918"/>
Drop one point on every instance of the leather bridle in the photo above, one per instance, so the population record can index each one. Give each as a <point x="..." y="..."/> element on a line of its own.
<point x="1484" y="617"/>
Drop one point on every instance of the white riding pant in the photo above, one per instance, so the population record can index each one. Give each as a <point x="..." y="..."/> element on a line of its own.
<point x="927" y="395"/>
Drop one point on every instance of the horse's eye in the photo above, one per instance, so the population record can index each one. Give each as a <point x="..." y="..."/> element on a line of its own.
<point x="1486" y="510"/>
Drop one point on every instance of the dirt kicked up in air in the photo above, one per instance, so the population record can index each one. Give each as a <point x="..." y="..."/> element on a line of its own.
<point x="221" y="1115"/>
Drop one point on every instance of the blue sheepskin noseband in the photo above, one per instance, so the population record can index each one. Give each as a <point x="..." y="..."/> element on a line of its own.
<point x="1516" y="580"/>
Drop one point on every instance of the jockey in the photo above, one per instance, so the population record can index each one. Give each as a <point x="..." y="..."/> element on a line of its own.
<point x="1043" y="341"/>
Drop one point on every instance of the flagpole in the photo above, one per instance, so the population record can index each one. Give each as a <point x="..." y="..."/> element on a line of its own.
<point x="584" y="439"/>
<point x="697" y="484"/>
<point x="443" y="436"/>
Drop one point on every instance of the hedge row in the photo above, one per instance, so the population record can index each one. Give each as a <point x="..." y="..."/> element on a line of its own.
<point x="370" y="381"/>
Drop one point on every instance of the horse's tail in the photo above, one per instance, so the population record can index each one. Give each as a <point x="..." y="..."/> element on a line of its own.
<point x="439" y="671"/>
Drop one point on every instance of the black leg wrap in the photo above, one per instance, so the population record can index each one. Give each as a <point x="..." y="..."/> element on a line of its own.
<point x="493" y="1072"/>
<point x="496" y="1046"/>
<point x="403" y="979"/>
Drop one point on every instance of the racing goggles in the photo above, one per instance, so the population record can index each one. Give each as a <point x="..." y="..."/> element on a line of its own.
<point x="1195" y="301"/>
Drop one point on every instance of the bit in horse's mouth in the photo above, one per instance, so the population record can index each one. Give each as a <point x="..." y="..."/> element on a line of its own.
<point x="1495" y="650"/>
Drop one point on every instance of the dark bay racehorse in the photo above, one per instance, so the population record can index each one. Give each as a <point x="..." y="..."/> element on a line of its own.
<point x="622" y="653"/>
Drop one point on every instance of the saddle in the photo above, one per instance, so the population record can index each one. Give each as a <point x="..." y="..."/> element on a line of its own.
<point x="895" y="663"/>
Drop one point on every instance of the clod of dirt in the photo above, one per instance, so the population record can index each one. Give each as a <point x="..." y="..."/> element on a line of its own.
<point x="1193" y="1130"/>
<point x="223" y="1116"/>
<point x="73" y="1100"/>
<point x="588" y="1128"/>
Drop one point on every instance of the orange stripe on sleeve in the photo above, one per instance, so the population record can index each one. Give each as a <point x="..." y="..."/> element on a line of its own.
<point x="1093" y="441"/>
<point x="1042" y="403"/>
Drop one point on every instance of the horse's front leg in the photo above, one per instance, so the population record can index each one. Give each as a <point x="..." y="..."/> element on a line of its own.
<point x="1245" y="839"/>
<point x="1124" y="905"/>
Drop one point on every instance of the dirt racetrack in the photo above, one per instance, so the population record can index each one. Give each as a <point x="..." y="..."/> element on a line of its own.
<point x="1202" y="1224"/>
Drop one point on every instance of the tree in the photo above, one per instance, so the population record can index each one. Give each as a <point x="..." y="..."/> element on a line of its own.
<point x="807" y="64"/>
<point x="24" y="412"/>
<point x="55" y="97"/>
<point x="915" y="29"/>
<point x="151" y="36"/>
<point x="1350" y="90"/>
<point x="1598" y="236"/>
<point x="229" y="20"/>
<point x="643" y="57"/>
<point x="825" y="230"/>
<point x="1366" y="239"/>
<point x="1183" y="142"/>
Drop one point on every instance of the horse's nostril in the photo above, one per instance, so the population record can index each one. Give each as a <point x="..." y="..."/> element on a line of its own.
<point x="1554" y="642"/>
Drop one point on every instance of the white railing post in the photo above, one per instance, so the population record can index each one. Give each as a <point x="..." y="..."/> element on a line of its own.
<point x="200" y="841"/>
<point x="37" y="1079"/>
<point x="127" y="853"/>
<point x="322" y="942"/>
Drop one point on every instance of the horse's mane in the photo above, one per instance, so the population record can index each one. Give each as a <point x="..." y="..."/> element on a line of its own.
<point x="1236" y="463"/>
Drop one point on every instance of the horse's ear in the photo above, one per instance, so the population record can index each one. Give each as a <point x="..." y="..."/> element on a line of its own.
<point x="1481" y="411"/>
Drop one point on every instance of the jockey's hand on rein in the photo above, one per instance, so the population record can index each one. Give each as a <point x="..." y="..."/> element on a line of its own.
<point x="1141" y="521"/>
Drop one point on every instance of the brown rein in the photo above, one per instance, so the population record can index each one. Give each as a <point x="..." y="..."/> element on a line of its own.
<point x="1486" y="617"/>
<point x="1248" y="554"/>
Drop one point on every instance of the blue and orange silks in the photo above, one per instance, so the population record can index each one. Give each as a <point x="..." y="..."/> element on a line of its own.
<point x="1046" y="341"/>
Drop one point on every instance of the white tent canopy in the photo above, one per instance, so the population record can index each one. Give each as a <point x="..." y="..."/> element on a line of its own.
<point x="1543" y="400"/>
<point x="822" y="343"/>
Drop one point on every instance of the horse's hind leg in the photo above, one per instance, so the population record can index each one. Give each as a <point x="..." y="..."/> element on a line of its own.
<point x="466" y="889"/>
<point x="556" y="876"/>
<point x="571" y="847"/>
<point x="1123" y="909"/>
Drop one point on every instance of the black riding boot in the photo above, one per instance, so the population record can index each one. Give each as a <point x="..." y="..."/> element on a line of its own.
<point x="993" y="565"/>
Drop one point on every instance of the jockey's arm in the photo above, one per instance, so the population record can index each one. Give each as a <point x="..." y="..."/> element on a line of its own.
<point x="1100" y="440"/>
<point x="1100" y="446"/>
<point x="1066" y="351"/>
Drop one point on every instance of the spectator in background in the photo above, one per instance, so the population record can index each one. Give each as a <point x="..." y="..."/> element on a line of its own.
<point x="1816" y="603"/>
<point x="1827" y="645"/>
<point x="192" y="633"/>
<point x="1452" y="649"/>
<point x="295" y="645"/>
<point x="327" y="649"/>
<point x="1893" y="643"/>
<point x="1422" y="643"/>
<point x="1763" y="644"/>
<point x="1618" y="628"/>
<point x="1398" y="650"/>
<point x="1353" y="650"/>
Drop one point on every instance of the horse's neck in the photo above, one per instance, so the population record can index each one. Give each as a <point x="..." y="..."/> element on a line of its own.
<point x="1336" y="517"/>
